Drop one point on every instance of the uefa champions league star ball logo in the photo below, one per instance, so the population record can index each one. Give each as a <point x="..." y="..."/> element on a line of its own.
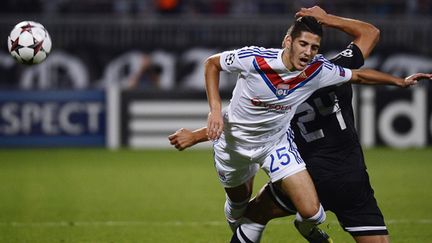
<point x="347" y="53"/>
<point x="230" y="59"/>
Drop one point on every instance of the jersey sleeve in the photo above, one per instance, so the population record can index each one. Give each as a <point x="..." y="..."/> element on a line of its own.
<point x="351" y="57"/>
<point x="332" y="74"/>
<point x="236" y="61"/>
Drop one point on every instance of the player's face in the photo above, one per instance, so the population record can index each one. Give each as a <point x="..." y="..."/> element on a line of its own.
<point x="301" y="50"/>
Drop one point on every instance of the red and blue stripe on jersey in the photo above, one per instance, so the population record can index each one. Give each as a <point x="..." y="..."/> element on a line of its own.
<point x="273" y="80"/>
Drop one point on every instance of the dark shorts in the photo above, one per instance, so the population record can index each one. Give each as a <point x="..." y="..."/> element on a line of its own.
<point x="351" y="198"/>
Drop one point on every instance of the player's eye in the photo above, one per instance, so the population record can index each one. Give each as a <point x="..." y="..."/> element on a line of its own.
<point x="302" y="43"/>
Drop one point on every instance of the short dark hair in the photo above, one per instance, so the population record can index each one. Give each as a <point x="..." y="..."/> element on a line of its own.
<point x="306" y="23"/>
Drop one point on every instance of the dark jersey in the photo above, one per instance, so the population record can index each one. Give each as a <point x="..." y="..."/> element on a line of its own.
<point x="324" y="126"/>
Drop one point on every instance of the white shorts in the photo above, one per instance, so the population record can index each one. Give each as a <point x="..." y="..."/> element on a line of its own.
<point x="235" y="166"/>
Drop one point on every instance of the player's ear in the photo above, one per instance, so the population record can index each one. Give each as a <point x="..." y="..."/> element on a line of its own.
<point x="286" y="41"/>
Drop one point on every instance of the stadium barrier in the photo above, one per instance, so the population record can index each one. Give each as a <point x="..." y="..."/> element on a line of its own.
<point x="393" y="117"/>
<point x="52" y="118"/>
<point x="143" y="119"/>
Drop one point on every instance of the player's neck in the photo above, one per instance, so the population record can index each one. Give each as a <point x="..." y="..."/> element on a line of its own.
<point x="286" y="60"/>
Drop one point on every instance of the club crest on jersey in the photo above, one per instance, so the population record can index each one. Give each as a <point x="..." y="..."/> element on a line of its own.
<point x="282" y="90"/>
<point x="302" y="75"/>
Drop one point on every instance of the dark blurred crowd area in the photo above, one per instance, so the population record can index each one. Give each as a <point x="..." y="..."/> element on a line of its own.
<point x="213" y="7"/>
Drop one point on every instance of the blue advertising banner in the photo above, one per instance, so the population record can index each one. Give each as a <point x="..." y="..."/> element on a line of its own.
<point x="52" y="118"/>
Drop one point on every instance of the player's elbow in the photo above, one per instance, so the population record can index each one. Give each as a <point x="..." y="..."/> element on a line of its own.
<point x="374" y="33"/>
<point x="369" y="36"/>
<point x="212" y="63"/>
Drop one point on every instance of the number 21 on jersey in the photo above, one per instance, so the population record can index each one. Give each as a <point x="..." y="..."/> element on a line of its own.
<point x="310" y="115"/>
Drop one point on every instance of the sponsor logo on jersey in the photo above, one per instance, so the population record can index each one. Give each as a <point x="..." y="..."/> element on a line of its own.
<point x="274" y="80"/>
<point x="271" y="107"/>
<point x="229" y="59"/>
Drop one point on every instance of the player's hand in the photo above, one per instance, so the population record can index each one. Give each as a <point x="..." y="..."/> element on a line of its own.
<point x="413" y="79"/>
<point x="318" y="13"/>
<point x="214" y="125"/>
<point x="182" y="139"/>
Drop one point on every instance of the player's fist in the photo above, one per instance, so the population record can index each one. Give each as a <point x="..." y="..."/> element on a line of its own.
<point x="182" y="139"/>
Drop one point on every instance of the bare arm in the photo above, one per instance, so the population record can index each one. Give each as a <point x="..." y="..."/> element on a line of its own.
<point x="365" y="35"/>
<point x="214" y="122"/>
<point x="184" y="138"/>
<point x="370" y="76"/>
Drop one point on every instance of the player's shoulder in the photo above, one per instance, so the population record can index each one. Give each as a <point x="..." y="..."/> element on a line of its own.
<point x="259" y="49"/>
<point x="320" y="61"/>
<point x="319" y="58"/>
<point x="254" y="51"/>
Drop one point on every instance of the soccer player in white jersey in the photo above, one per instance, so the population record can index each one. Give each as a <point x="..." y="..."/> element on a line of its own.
<point x="252" y="131"/>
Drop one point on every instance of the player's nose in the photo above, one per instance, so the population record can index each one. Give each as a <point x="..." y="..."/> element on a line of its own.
<point x="308" y="51"/>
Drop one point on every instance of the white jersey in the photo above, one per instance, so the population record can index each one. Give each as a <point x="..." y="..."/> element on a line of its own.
<point x="267" y="94"/>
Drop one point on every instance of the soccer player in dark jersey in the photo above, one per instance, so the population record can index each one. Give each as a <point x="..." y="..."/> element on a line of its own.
<point x="327" y="139"/>
<point x="328" y="142"/>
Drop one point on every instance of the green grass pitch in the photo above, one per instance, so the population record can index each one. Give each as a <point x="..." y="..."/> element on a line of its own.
<point x="96" y="195"/>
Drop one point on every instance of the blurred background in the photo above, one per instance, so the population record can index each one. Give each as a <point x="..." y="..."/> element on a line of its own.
<point x="129" y="72"/>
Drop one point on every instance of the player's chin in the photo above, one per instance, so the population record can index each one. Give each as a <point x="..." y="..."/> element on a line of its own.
<point x="301" y="65"/>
